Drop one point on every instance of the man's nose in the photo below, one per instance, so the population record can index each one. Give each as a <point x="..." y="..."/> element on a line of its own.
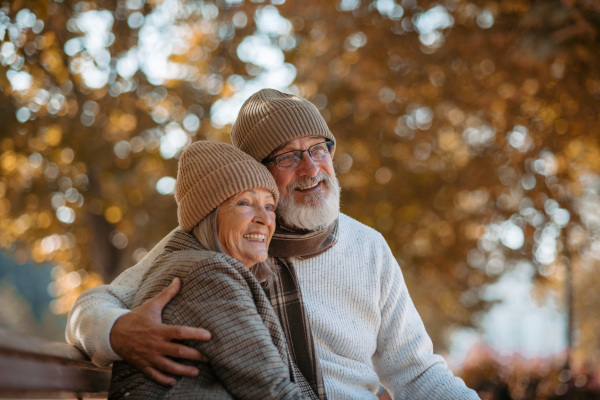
<point x="307" y="167"/>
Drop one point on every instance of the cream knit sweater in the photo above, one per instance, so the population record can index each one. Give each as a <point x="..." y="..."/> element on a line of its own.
<point x="365" y="326"/>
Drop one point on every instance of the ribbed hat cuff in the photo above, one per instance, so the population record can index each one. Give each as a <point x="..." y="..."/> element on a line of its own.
<point x="208" y="193"/>
<point x="281" y="126"/>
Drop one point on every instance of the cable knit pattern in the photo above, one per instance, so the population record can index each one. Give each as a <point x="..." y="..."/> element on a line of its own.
<point x="365" y="326"/>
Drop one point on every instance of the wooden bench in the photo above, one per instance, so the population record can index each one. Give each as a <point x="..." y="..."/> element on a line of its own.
<point x="34" y="368"/>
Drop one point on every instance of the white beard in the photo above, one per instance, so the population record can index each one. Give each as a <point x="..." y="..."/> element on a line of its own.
<point x="319" y="210"/>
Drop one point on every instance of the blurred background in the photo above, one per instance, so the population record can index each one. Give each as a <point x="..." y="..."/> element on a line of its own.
<point x="468" y="134"/>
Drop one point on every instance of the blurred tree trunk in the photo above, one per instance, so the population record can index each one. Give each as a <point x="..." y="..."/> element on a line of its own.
<point x="105" y="257"/>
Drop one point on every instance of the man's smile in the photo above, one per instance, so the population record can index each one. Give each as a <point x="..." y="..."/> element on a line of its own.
<point x="308" y="186"/>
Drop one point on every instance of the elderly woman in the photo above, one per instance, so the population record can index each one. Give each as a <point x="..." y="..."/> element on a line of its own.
<point x="225" y="207"/>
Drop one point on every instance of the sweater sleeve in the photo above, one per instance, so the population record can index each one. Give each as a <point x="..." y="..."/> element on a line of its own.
<point x="96" y="310"/>
<point x="404" y="359"/>
<point x="242" y="353"/>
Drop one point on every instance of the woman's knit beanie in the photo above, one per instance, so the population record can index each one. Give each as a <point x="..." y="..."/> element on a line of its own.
<point x="270" y="118"/>
<point x="209" y="173"/>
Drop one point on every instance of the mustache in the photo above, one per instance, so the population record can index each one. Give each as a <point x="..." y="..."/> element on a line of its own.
<point x="310" y="181"/>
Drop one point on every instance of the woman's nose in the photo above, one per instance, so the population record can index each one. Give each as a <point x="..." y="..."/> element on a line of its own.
<point x="261" y="216"/>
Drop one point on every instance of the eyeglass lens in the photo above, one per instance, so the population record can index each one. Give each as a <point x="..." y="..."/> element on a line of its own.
<point x="292" y="159"/>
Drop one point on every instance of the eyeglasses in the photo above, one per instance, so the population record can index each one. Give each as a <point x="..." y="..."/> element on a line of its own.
<point x="291" y="159"/>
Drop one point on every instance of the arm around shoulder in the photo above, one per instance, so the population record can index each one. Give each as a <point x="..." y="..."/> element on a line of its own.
<point x="96" y="310"/>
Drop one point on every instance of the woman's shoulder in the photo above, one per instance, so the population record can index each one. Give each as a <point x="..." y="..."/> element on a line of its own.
<point x="184" y="249"/>
<point x="210" y="271"/>
<point x="193" y="258"/>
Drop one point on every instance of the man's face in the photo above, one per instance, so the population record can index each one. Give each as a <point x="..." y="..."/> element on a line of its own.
<point x="308" y="168"/>
<point x="309" y="192"/>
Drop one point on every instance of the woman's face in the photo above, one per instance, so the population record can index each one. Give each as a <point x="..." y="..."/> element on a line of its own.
<point x="245" y="225"/>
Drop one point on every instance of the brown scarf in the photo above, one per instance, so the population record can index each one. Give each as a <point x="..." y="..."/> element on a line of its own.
<point x="286" y="297"/>
<point x="302" y="244"/>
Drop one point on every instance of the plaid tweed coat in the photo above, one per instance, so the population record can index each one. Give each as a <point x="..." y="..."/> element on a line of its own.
<point x="249" y="357"/>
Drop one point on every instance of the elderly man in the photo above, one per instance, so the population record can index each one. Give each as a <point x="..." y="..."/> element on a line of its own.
<point x="358" y="314"/>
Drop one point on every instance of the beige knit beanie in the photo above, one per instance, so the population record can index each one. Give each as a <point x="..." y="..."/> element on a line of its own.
<point x="270" y="118"/>
<point x="210" y="173"/>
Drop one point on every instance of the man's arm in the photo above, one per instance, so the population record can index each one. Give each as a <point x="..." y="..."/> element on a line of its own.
<point x="101" y="325"/>
<point x="404" y="359"/>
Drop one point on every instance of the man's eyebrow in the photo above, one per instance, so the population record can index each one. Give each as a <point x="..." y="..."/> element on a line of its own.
<point x="279" y="148"/>
<point x="286" y="143"/>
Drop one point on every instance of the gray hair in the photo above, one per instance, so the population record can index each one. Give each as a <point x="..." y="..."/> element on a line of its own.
<point x="207" y="234"/>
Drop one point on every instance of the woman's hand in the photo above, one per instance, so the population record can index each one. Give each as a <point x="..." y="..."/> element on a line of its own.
<point x="142" y="340"/>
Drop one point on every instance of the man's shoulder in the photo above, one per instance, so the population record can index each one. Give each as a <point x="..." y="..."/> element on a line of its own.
<point x="361" y="240"/>
<point x="349" y="225"/>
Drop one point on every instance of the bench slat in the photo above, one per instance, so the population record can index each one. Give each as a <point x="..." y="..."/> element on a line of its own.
<point x="25" y="346"/>
<point x="35" y="377"/>
<point x="32" y="367"/>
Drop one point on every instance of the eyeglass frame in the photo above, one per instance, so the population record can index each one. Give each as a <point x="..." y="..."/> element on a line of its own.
<point x="328" y="143"/>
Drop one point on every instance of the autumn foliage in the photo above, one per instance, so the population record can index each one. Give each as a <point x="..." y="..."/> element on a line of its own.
<point x="468" y="133"/>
